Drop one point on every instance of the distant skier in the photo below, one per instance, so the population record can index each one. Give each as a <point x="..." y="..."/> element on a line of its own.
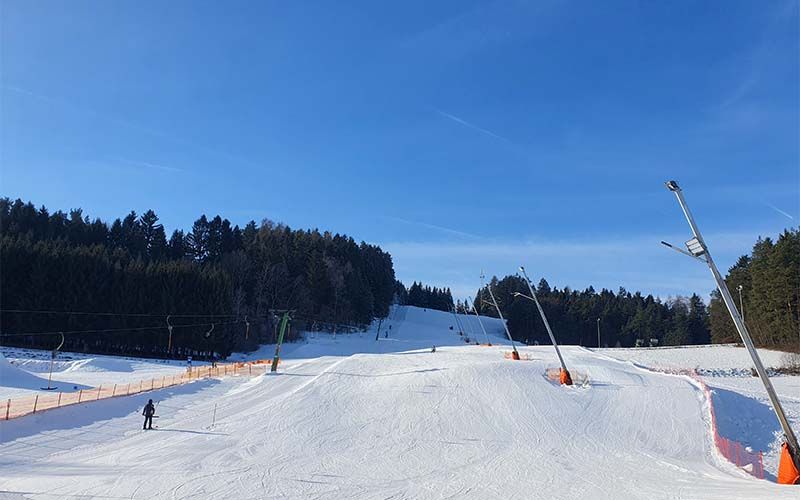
<point x="148" y="412"/>
<point x="433" y="349"/>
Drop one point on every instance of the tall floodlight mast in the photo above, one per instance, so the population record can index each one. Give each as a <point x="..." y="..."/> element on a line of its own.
<point x="697" y="249"/>
<point x="514" y="354"/>
<point x="566" y="378"/>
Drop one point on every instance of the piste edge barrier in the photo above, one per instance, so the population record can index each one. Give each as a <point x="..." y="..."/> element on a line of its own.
<point x="29" y="405"/>
<point x="734" y="451"/>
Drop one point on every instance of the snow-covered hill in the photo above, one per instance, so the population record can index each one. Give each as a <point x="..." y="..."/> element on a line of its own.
<point x="353" y="417"/>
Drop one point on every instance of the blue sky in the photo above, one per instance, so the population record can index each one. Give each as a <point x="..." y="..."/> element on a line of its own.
<point x="459" y="135"/>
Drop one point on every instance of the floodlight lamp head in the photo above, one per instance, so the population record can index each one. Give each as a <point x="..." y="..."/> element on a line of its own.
<point x="695" y="247"/>
<point x="673" y="186"/>
<point x="522" y="268"/>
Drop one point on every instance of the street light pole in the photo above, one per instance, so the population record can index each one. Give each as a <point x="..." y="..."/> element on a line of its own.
<point x="741" y="304"/>
<point x="698" y="249"/>
<point x="598" y="333"/>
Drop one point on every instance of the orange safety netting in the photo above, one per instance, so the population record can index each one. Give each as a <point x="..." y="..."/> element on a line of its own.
<point x="736" y="453"/>
<point x="524" y="356"/>
<point x="18" y="407"/>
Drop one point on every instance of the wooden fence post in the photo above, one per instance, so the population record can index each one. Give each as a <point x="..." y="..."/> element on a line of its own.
<point x="59" y="401"/>
<point x="114" y="391"/>
<point x="80" y="394"/>
<point x="35" y="402"/>
<point x="100" y="387"/>
<point x="8" y="407"/>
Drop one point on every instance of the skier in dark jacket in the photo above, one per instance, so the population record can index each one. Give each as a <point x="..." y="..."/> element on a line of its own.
<point x="148" y="412"/>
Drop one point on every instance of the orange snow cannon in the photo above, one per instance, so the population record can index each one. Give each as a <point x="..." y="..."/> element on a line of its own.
<point x="515" y="355"/>
<point x="787" y="471"/>
<point x="565" y="377"/>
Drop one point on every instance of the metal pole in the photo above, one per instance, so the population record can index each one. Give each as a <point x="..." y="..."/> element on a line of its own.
<point x="378" y="333"/>
<point x="480" y="322"/>
<point x="791" y="440"/>
<point x="544" y="318"/>
<point x="458" y="321"/>
<point x="491" y="294"/>
<point x="458" y="325"/>
<point x="598" y="333"/>
<point x="50" y="377"/>
<point x="284" y="322"/>
<point x="741" y="303"/>
<point x="169" y="341"/>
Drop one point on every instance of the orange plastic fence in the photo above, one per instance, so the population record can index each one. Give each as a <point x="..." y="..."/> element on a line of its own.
<point x="524" y="356"/>
<point x="736" y="453"/>
<point x="19" y="407"/>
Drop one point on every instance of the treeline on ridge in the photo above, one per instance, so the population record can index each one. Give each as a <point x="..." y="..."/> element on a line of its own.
<point x="770" y="280"/>
<point x="69" y="262"/>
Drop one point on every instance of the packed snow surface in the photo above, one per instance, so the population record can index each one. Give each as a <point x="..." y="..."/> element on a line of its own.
<point x="744" y="412"/>
<point x="353" y="417"/>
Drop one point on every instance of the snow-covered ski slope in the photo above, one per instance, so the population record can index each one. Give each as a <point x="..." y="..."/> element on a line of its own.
<point x="356" y="418"/>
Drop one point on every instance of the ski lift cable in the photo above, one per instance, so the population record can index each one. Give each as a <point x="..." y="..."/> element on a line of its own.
<point x="115" y="330"/>
<point x="149" y="315"/>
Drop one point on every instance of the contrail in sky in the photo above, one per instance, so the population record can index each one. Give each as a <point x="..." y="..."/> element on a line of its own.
<point x="434" y="226"/>
<point x="150" y="165"/>
<point x="778" y="210"/>
<point x="470" y="125"/>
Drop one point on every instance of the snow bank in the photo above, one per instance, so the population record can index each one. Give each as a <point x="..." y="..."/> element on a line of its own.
<point x="12" y="377"/>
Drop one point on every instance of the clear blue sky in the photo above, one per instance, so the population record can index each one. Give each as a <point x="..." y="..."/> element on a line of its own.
<point x="459" y="135"/>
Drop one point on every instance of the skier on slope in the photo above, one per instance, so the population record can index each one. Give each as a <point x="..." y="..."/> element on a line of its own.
<point x="148" y="412"/>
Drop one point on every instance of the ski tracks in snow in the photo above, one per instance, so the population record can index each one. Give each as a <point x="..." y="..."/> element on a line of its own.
<point x="460" y="423"/>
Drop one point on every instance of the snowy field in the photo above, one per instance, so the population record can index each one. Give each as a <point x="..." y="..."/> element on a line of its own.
<point x="709" y="360"/>
<point x="353" y="417"/>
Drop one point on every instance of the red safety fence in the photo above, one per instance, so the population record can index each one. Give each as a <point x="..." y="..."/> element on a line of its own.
<point x="19" y="407"/>
<point x="750" y="461"/>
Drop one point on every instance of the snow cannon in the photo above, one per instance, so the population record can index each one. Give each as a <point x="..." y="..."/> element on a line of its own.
<point x="515" y="355"/>
<point x="787" y="469"/>
<point x="565" y="378"/>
